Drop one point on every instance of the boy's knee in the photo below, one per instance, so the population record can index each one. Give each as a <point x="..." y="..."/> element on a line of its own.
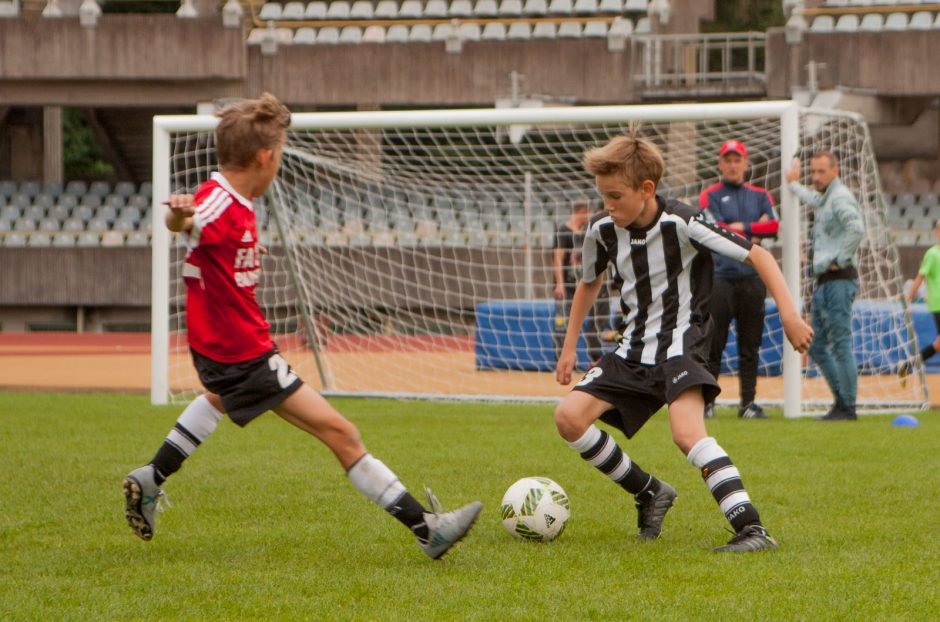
<point x="568" y="422"/>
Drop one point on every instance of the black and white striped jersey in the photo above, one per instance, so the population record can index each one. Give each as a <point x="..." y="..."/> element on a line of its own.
<point x="665" y="273"/>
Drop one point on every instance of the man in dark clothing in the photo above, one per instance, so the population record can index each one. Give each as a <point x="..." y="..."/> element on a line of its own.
<point x="738" y="292"/>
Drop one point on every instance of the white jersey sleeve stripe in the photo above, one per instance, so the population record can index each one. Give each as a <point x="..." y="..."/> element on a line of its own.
<point x="718" y="239"/>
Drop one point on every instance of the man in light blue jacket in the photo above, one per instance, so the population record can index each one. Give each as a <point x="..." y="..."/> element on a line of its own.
<point x="837" y="232"/>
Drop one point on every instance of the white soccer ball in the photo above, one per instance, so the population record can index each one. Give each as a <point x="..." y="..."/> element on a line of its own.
<point x="535" y="508"/>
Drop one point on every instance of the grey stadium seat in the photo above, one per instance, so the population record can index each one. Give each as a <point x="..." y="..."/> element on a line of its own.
<point x="305" y="36"/>
<point x="410" y="9"/>
<point x="124" y="189"/>
<point x="137" y="238"/>
<point x="21" y="200"/>
<point x="350" y="34"/>
<point x="101" y="188"/>
<point x="106" y="212"/>
<point x="7" y="188"/>
<point x="315" y="10"/>
<point x="73" y="224"/>
<point x="585" y="7"/>
<point x="91" y="200"/>
<point x="493" y="32"/>
<point x="896" y="21"/>
<point x="59" y="212"/>
<point x="642" y="26"/>
<point x="420" y="33"/>
<point x="435" y="9"/>
<point x="396" y="34"/>
<point x="41" y="239"/>
<point x="921" y="20"/>
<point x="64" y="240"/>
<point x="30" y="188"/>
<point x="24" y="224"/>
<point x="638" y="6"/>
<point x="76" y="188"/>
<point x="871" y="22"/>
<point x="560" y="7"/>
<point x="611" y="6"/>
<point x="338" y="9"/>
<point x="847" y="23"/>
<point x="361" y="9"/>
<point x="594" y="29"/>
<point x="328" y="35"/>
<point x="386" y="9"/>
<point x="270" y="11"/>
<point x="485" y="8"/>
<point x="10" y="213"/>
<point x="14" y="239"/>
<point x="442" y="31"/>
<point x="373" y="34"/>
<point x="49" y="224"/>
<point x="544" y="30"/>
<point x="510" y="8"/>
<point x="88" y="238"/>
<point x="52" y="188"/>
<point x="535" y="7"/>
<point x="461" y="8"/>
<point x="293" y="10"/>
<point x="98" y="224"/>
<point x="569" y="30"/>
<point x="34" y="212"/>
<point x="470" y="32"/>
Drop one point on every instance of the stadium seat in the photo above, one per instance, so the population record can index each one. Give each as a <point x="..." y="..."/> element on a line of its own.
<point x="569" y="30"/>
<point x="921" y="20"/>
<point x="373" y="34"/>
<point x="10" y="213"/>
<point x="270" y="11"/>
<point x="137" y="238"/>
<point x="544" y="30"/>
<point x="585" y="7"/>
<point x="21" y="200"/>
<point x="14" y="239"/>
<point x="7" y="188"/>
<point x="315" y="10"/>
<point x="88" y="238"/>
<point x="461" y="8"/>
<point x="519" y="31"/>
<point x="386" y="9"/>
<point x="441" y="32"/>
<point x="63" y="240"/>
<point x="361" y="9"/>
<point x="822" y="23"/>
<point x="40" y="239"/>
<point x="510" y="8"/>
<point x="43" y="200"/>
<point x="30" y="188"/>
<point x="59" y="212"/>
<point x="112" y="238"/>
<point x="73" y="224"/>
<point x="420" y="33"/>
<point x="896" y="21"/>
<point x="83" y="212"/>
<point x="493" y="32"/>
<point x="124" y="225"/>
<point x="636" y="6"/>
<point x="114" y="200"/>
<point x="847" y="23"/>
<point x="435" y="9"/>
<point x="293" y="11"/>
<point x="76" y="188"/>
<point x="595" y="29"/>
<point x="146" y="189"/>
<point x="350" y="34"/>
<point x="124" y="189"/>
<point x="106" y="212"/>
<point x="91" y="200"/>
<point x="52" y="188"/>
<point x="470" y="32"/>
<point x="396" y="34"/>
<point x="535" y="8"/>
<point x="410" y="9"/>
<point x="560" y="7"/>
<point x="338" y="9"/>
<point x="485" y="8"/>
<point x="642" y="26"/>
<point x="34" y="212"/>
<point x="100" y="188"/>
<point x="328" y="35"/>
<point x="98" y="224"/>
<point x="871" y="21"/>
<point x="611" y="6"/>
<point x="305" y="36"/>
<point x="49" y="224"/>
<point x="24" y="224"/>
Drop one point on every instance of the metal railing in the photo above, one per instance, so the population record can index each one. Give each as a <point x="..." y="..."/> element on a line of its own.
<point x="697" y="64"/>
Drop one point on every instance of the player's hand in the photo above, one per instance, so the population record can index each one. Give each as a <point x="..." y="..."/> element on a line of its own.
<point x="799" y="333"/>
<point x="793" y="173"/>
<point x="559" y="292"/>
<point x="565" y="366"/>
<point x="182" y="205"/>
<point x="262" y="249"/>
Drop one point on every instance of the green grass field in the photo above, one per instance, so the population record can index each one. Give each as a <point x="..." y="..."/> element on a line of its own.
<point x="264" y="524"/>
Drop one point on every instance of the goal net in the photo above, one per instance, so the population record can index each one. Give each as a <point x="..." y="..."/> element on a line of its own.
<point x="411" y="253"/>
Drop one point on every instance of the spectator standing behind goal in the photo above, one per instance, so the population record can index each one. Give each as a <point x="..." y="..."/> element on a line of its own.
<point x="232" y="350"/>
<point x="929" y="273"/>
<point x="567" y="269"/>
<point x="837" y="232"/>
<point x="738" y="292"/>
<point x="662" y="254"/>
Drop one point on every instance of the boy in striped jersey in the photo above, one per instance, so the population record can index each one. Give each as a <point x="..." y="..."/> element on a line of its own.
<point x="661" y="252"/>
<point x="233" y="353"/>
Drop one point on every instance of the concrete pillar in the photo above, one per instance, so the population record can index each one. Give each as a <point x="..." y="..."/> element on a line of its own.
<point x="52" y="144"/>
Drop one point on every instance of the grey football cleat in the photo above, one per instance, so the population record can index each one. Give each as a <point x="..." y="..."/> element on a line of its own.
<point x="445" y="529"/>
<point x="751" y="538"/>
<point x="651" y="510"/>
<point x="143" y="499"/>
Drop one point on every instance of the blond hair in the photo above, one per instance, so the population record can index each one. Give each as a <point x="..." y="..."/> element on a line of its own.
<point x="247" y="127"/>
<point x="635" y="159"/>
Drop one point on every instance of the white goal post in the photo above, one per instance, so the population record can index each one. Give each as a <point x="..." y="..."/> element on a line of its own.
<point x="410" y="251"/>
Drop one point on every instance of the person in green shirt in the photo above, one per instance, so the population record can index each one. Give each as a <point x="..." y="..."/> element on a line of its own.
<point x="930" y="273"/>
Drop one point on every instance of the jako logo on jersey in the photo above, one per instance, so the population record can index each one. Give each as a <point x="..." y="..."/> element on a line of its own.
<point x="247" y="239"/>
<point x="680" y="376"/>
<point x="637" y="241"/>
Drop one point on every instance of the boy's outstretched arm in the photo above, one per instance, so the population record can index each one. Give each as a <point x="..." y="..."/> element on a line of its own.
<point x="180" y="215"/>
<point x="584" y="297"/>
<point x="798" y="332"/>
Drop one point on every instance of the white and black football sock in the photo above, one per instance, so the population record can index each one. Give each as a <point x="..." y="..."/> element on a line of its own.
<point x="377" y="482"/>
<point x="724" y="480"/>
<point x="600" y="450"/>
<point x="197" y="422"/>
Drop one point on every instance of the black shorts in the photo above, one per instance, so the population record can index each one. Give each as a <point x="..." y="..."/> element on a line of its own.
<point x="248" y="388"/>
<point x="639" y="391"/>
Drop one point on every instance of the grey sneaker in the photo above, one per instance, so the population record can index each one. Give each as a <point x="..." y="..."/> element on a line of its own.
<point x="651" y="509"/>
<point x="751" y="411"/>
<point x="710" y="410"/>
<point x="445" y="529"/>
<point x="143" y="499"/>
<point x="750" y="538"/>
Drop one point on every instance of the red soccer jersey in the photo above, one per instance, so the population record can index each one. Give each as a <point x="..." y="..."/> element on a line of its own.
<point x="224" y="321"/>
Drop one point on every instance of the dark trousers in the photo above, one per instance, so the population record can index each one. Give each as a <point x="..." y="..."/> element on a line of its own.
<point x="741" y="300"/>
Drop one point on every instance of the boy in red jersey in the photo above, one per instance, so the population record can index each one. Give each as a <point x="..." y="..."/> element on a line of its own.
<point x="234" y="355"/>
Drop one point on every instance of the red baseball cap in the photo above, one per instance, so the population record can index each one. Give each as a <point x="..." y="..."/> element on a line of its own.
<point x="733" y="146"/>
